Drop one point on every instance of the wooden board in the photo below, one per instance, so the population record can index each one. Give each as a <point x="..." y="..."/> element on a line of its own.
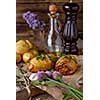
<point x="41" y="8"/>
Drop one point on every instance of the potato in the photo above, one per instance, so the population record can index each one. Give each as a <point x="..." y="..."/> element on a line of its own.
<point x="30" y="44"/>
<point x="34" y="52"/>
<point x="27" y="57"/>
<point x="18" y="58"/>
<point x="22" y="46"/>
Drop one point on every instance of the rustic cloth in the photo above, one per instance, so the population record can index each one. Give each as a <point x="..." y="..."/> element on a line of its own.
<point x="76" y="80"/>
<point x="55" y="93"/>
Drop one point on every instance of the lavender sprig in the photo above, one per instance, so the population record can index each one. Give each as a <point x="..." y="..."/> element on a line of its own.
<point x="33" y="21"/>
<point x="40" y="75"/>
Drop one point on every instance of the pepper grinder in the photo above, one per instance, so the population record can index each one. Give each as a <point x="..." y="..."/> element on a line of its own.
<point x="70" y="34"/>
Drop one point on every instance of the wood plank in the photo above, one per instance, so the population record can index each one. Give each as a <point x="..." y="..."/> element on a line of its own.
<point x="41" y="8"/>
<point x="42" y="16"/>
<point x="40" y="1"/>
<point x="24" y="27"/>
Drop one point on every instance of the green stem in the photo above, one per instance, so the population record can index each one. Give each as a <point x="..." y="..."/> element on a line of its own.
<point x="71" y="88"/>
<point x="81" y="97"/>
<point x="74" y="89"/>
<point x="76" y="96"/>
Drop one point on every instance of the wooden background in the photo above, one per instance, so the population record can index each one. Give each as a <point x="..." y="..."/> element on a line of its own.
<point x="41" y="7"/>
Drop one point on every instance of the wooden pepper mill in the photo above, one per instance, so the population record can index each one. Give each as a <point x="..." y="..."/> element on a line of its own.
<point x="70" y="34"/>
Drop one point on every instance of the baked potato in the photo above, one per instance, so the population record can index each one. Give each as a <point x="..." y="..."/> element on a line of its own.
<point x="29" y="43"/>
<point x="22" y="46"/>
<point x="18" y="58"/>
<point x="34" y="52"/>
<point x="42" y="62"/>
<point x="27" y="56"/>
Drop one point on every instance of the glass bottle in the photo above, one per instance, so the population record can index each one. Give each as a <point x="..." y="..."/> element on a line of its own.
<point x="55" y="40"/>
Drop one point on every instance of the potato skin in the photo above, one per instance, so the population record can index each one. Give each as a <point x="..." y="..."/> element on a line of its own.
<point x="27" y="56"/>
<point x="34" y="52"/>
<point x="29" y="43"/>
<point x="18" y="58"/>
<point x="22" y="47"/>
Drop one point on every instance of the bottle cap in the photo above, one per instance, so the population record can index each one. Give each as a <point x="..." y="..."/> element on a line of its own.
<point x="52" y="9"/>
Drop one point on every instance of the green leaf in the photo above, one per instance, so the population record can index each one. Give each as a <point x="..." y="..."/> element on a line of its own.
<point x="36" y="82"/>
<point x="51" y="83"/>
<point x="70" y="58"/>
<point x="43" y="83"/>
<point x="41" y="57"/>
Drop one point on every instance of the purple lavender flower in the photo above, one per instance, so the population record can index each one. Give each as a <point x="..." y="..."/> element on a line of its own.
<point x="48" y="73"/>
<point x="40" y="75"/>
<point x="33" y="21"/>
<point x="56" y="75"/>
<point x="29" y="16"/>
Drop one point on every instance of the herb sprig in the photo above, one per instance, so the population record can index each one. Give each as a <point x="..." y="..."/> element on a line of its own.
<point x="41" y="57"/>
<point x="70" y="58"/>
<point x="55" y="79"/>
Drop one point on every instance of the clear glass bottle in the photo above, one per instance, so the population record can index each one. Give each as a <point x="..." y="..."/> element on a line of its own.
<point x="55" y="40"/>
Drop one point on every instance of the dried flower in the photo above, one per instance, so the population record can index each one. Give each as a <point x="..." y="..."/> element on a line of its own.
<point x="33" y="21"/>
<point x="49" y="73"/>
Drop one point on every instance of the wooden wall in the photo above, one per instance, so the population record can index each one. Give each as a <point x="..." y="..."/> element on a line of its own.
<point x="41" y="7"/>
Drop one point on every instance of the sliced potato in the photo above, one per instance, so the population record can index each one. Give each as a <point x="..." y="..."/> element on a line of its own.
<point x="40" y="64"/>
